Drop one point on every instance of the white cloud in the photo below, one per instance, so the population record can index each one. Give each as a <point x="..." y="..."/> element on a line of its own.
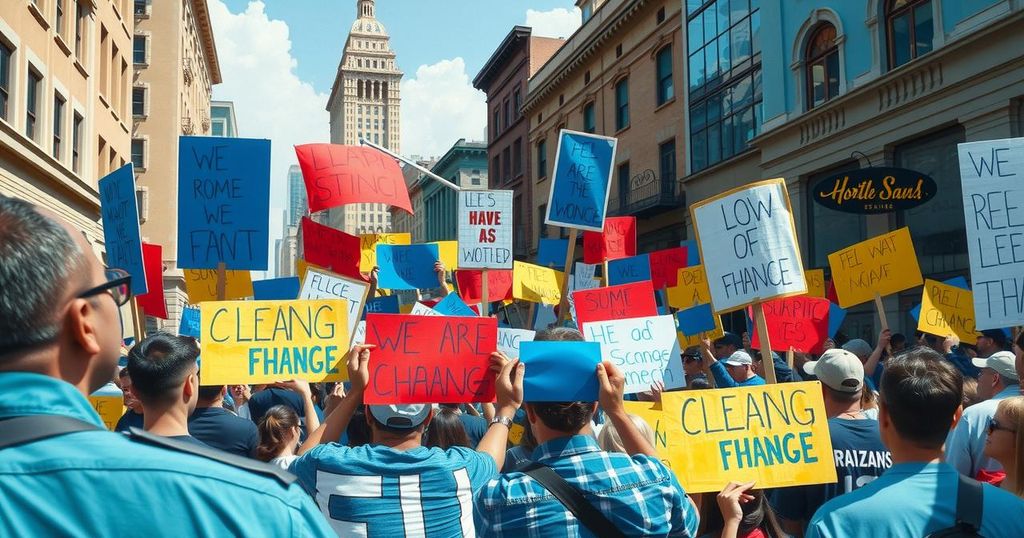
<point x="558" y="22"/>
<point x="258" y="73"/>
<point x="439" y="107"/>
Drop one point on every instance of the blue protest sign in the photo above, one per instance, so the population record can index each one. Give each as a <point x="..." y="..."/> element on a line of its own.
<point x="276" y="289"/>
<point x="629" y="270"/>
<point x="190" y="325"/>
<point x="692" y="252"/>
<point x="120" y="212"/>
<point x="696" y="320"/>
<point x="223" y="202"/>
<point x="407" y="267"/>
<point x="560" y="371"/>
<point x="552" y="252"/>
<point x="453" y="305"/>
<point x="836" y="315"/>
<point x="582" y="179"/>
<point x="382" y="305"/>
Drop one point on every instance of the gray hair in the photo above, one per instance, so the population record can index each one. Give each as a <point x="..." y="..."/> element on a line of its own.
<point x="559" y="334"/>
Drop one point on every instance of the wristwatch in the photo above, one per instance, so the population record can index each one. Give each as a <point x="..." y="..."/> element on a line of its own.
<point x="501" y="420"/>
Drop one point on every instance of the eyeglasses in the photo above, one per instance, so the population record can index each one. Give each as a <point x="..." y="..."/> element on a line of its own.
<point x="690" y="358"/>
<point x="118" y="284"/>
<point x="994" y="425"/>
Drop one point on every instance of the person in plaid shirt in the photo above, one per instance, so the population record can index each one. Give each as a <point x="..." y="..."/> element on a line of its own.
<point x="635" y="491"/>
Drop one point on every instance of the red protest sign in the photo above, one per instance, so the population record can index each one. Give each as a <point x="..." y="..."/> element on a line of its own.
<point x="337" y="175"/>
<point x="665" y="266"/>
<point x="618" y="240"/>
<point x="153" y="302"/>
<point x="635" y="300"/>
<point x="499" y="285"/>
<point x="430" y="359"/>
<point x="798" y="322"/>
<point x="331" y="249"/>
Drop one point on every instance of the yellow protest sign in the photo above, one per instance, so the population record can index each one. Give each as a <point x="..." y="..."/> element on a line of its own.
<point x="201" y="285"/>
<point x="448" y="254"/>
<point x="776" y="435"/>
<point x="109" y="408"/>
<point x="691" y="289"/>
<point x="368" y="247"/>
<point x="815" y="282"/>
<point x="884" y="264"/>
<point x="947" y="310"/>
<point x="265" y="341"/>
<point x="687" y="341"/>
<point x="667" y="444"/>
<point x="537" y="284"/>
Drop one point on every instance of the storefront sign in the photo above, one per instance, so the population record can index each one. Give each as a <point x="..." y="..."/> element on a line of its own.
<point x="875" y="190"/>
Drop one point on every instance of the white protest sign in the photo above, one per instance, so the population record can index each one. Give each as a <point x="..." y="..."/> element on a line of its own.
<point x="324" y="285"/>
<point x="420" y="309"/>
<point x="576" y="284"/>
<point x="992" y="174"/>
<point x="584" y="272"/>
<point x="749" y="246"/>
<point x="485" y="229"/>
<point x="544" y="316"/>
<point x="359" y="337"/>
<point x="645" y="349"/>
<point x="509" y="340"/>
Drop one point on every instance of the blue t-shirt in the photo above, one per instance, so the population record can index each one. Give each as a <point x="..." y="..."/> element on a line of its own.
<point x="130" y="419"/>
<point x="373" y="490"/>
<point x="476" y="428"/>
<point x="860" y="457"/>
<point x="267" y="398"/>
<point x="220" y="429"/>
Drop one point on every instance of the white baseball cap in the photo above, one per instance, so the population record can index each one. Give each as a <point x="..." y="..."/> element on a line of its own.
<point x="1002" y="362"/>
<point x="838" y="369"/>
<point x="739" y="358"/>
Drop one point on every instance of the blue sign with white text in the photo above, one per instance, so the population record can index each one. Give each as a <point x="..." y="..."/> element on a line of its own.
<point x="582" y="177"/>
<point x="120" y="212"/>
<point x="190" y="325"/>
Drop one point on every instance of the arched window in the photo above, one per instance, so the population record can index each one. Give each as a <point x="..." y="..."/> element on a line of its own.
<point x="821" y="65"/>
<point x="910" y="29"/>
<point x="359" y="89"/>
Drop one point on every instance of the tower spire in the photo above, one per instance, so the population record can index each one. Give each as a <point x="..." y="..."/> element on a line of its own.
<point x="365" y="10"/>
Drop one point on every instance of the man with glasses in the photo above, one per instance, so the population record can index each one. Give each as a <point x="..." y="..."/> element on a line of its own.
<point x="692" y="368"/>
<point x="965" y="447"/>
<point x="60" y="340"/>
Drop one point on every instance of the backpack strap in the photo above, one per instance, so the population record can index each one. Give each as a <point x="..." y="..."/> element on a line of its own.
<point x="254" y="466"/>
<point x="31" y="428"/>
<point x="969" y="503"/>
<point x="573" y="500"/>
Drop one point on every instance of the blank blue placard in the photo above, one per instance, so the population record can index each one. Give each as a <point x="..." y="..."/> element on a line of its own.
<point x="276" y="289"/>
<point x="696" y="320"/>
<point x="560" y="371"/>
<point x="552" y="252"/>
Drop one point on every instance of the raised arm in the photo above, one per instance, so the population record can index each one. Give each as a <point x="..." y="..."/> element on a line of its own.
<point x="358" y="374"/>
<point x="508" y="388"/>
<point x="612" y="383"/>
<point x="883" y="342"/>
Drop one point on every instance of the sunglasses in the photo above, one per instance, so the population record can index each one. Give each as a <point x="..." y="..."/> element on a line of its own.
<point x="118" y="285"/>
<point x="994" y="425"/>
<point x="690" y="358"/>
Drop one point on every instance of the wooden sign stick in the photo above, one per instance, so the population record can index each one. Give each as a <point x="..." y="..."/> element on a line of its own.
<point x="881" y="317"/>
<point x="604" y="272"/>
<point x="138" y="320"/>
<point x="222" y="281"/>
<point x="766" y="346"/>
<point x="484" y="306"/>
<point x="570" y="254"/>
<point x="790" y="357"/>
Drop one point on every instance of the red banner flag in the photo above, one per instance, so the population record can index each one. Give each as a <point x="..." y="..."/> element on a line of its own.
<point x="634" y="300"/>
<point x="430" y="359"/>
<point x="331" y="249"/>
<point x="618" y="240"/>
<point x="499" y="285"/>
<point x="798" y="322"/>
<point x="665" y="266"/>
<point x="337" y="175"/>
<point x="153" y="302"/>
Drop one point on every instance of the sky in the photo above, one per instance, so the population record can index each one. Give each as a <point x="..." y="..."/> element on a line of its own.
<point x="278" y="60"/>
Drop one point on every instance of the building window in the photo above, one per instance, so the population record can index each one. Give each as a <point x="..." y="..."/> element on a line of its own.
<point x="542" y="159"/>
<point x="517" y="157"/>
<point x="35" y="83"/>
<point x="589" y="120"/>
<point x="497" y="121"/>
<point x="58" y="124"/>
<point x="822" y="65"/>
<point x="140" y="7"/>
<point x="507" y="170"/>
<point x="6" y="53"/>
<point x="517" y="102"/>
<point x="507" y="119"/>
<point x="139" y="153"/>
<point x="58" y="17"/>
<point x="542" y="213"/>
<point x="664" y="64"/>
<point x="623" y="175"/>
<point x="667" y="160"/>
<point x="660" y="16"/>
<point x="139" y="50"/>
<point x="496" y="168"/>
<point x="79" y="29"/>
<point x="138" y="101"/>
<point x="622" y="104"/>
<point x="910" y="28"/>
<point x="76" y="143"/>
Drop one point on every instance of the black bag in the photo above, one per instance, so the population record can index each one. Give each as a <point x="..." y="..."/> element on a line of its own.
<point x="573" y="500"/>
<point x="969" y="507"/>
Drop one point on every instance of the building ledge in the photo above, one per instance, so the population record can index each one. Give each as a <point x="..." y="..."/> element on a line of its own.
<point x="62" y="45"/>
<point x="34" y="10"/>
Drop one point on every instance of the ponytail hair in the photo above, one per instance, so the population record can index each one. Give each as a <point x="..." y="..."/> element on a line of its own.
<point x="275" y="430"/>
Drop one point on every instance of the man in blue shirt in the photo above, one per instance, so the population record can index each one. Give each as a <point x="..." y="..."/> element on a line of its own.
<point x="166" y="379"/>
<point x="218" y="427"/>
<point x="965" y="447"/>
<point x="920" y="398"/>
<point x="736" y="370"/>
<point x="395" y="486"/>
<point x="60" y="336"/>
<point x="132" y="417"/>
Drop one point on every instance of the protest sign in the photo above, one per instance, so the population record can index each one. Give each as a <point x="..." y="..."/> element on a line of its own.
<point x="691" y="288"/>
<point x="201" y="285"/>
<point x="584" y="272"/>
<point x="359" y="337"/>
<point x="560" y="371"/>
<point x="325" y="285"/>
<point x="615" y="302"/>
<point x="751" y="234"/>
<point x="510" y="340"/>
<point x="581" y="181"/>
<point x="800" y="323"/>
<point x="189" y="324"/>
<point x="628" y="270"/>
<point x="543" y="316"/>
<point x="576" y="284"/>
<point x="120" y="213"/>
<point x="382" y="305"/>
<point x="537" y="284"/>
<point x="665" y="266"/>
<point x="947" y="310"/>
<point x="667" y="444"/>
<point x="776" y="435"/>
<point x="485" y="229"/>
<point x="152" y="302"/>
<point x="992" y="175"/>
<point x="836" y="316"/>
<point x="267" y="341"/>
<point x="407" y="267"/>
<point x="696" y="320"/>
<point x="448" y="254"/>
<point x="368" y="247"/>
<point x="552" y="252"/>
<point x="617" y="240"/>
<point x="644" y="349"/>
<point x="276" y="289"/>
<point x="420" y="309"/>
<point x="470" y="284"/>
<point x="331" y="249"/>
<point x="430" y="359"/>
<point x="692" y="252"/>
<point x="880" y="266"/>
<point x="686" y="340"/>
<point x="110" y="408"/>
<point x="452" y="305"/>
<point x="223" y="202"/>
<point x="958" y="281"/>
<point x="815" y="282"/>
<point x="338" y="175"/>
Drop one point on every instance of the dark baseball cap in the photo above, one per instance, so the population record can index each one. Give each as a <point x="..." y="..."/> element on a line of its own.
<point x="997" y="336"/>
